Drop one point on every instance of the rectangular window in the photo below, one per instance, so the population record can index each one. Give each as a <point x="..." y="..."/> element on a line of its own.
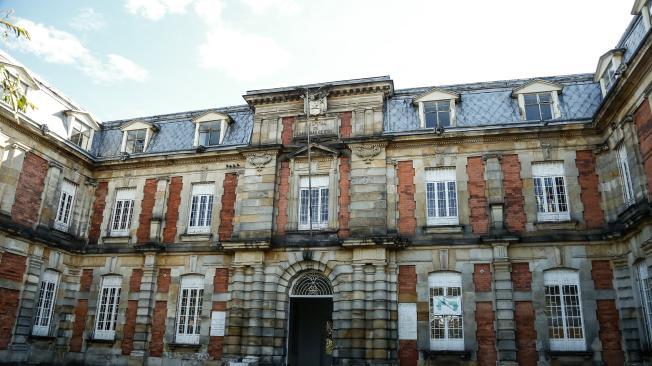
<point x="65" y="209"/>
<point x="107" y="307"/>
<point x="446" y="326"/>
<point x="44" y="307"/>
<point x="437" y="114"/>
<point x="645" y="290"/>
<point x="609" y="76"/>
<point x="625" y="176"/>
<point x="441" y="196"/>
<point x="564" y="310"/>
<point x="189" y="310"/>
<point x="201" y="208"/>
<point x="122" y="212"/>
<point x="314" y="211"/>
<point x="136" y="141"/>
<point x="550" y="192"/>
<point x="81" y="135"/>
<point x="209" y="133"/>
<point x="538" y="106"/>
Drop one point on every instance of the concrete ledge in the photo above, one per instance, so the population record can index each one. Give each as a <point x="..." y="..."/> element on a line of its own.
<point x="116" y="239"/>
<point x="195" y="237"/>
<point x="556" y="225"/>
<point x="442" y="229"/>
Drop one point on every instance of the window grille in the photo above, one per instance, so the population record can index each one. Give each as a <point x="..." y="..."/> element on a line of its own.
<point x="312" y="284"/>
<point x="65" y="209"/>
<point x="550" y="192"/>
<point x="107" y="307"/>
<point x="446" y="314"/>
<point x="45" y="305"/>
<point x="564" y="310"/>
<point x="441" y="197"/>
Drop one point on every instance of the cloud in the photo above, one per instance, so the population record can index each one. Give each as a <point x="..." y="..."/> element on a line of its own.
<point x="210" y="11"/>
<point x="283" y="7"/>
<point x="156" y="9"/>
<point x="239" y="54"/>
<point x="87" y="19"/>
<point x="60" y="47"/>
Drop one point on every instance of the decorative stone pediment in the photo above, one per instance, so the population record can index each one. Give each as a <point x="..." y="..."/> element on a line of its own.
<point x="537" y="86"/>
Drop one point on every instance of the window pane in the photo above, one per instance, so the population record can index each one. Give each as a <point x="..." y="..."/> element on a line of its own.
<point x="532" y="112"/>
<point x="544" y="98"/>
<point x="214" y="137"/>
<point x="538" y="192"/>
<point x="550" y="195"/>
<point x="324" y="206"/>
<point x="441" y="199"/>
<point x="303" y="208"/>
<point x="561" y="194"/>
<point x="431" y="120"/>
<point x="444" y="119"/>
<point x="546" y="112"/>
<point x="443" y="106"/>
<point x="452" y="199"/>
<point x="530" y="99"/>
<point x="430" y="198"/>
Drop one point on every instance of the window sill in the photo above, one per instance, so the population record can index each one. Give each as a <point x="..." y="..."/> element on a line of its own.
<point x="442" y="229"/>
<point x="587" y="355"/>
<point x="100" y="340"/>
<point x="433" y="355"/>
<point x="556" y="225"/>
<point x="116" y="239"/>
<point x="42" y="337"/>
<point x="185" y="345"/>
<point x="196" y="237"/>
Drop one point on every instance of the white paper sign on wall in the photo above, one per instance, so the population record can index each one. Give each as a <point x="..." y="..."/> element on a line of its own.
<point x="218" y="320"/>
<point x="407" y="321"/>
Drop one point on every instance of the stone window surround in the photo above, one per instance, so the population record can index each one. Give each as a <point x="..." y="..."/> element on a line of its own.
<point x="643" y="278"/>
<point x="197" y="282"/>
<point x="70" y="189"/>
<point x="107" y="220"/>
<point x="216" y="177"/>
<point x="81" y="203"/>
<point x="442" y="174"/>
<point x="201" y="189"/>
<point x="324" y="165"/>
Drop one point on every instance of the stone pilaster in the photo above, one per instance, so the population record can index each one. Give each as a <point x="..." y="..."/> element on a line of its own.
<point x="504" y="295"/>
<point x="12" y="155"/>
<point x="627" y="305"/>
<point x="233" y="338"/>
<point x="358" y="313"/>
<point x="145" y="308"/>
<point x="368" y="207"/>
<point x="28" y="299"/>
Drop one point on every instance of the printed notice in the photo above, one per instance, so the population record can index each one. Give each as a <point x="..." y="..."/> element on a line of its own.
<point x="217" y="323"/>
<point x="407" y="321"/>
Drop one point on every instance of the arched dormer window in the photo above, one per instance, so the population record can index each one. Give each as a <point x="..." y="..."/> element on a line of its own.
<point x="210" y="129"/>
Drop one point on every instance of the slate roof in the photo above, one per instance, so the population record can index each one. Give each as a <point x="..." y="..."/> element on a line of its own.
<point x="492" y="104"/>
<point x="632" y="37"/>
<point x="175" y="132"/>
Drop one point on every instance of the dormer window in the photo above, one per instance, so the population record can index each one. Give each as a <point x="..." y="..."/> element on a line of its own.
<point x="81" y="135"/>
<point x="211" y="128"/>
<point x="135" y="141"/>
<point x="436" y="108"/>
<point x="538" y="106"/>
<point x="136" y="137"/>
<point x="538" y="100"/>
<point x="607" y="72"/>
<point x="81" y="127"/>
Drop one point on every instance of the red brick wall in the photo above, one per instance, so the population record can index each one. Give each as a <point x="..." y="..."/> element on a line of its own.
<point x="482" y="277"/>
<point x="478" y="216"/>
<point x="12" y="267"/>
<point x="345" y="125"/>
<point x="98" y="212"/>
<point x="407" y="352"/>
<point x="602" y="275"/>
<point x="485" y="334"/>
<point x="135" y="280"/>
<point x="612" y="353"/>
<point x="172" y="214"/>
<point x="81" y="311"/>
<point x="643" y="121"/>
<point x="521" y="277"/>
<point x="407" y="222"/>
<point x="221" y="280"/>
<point x="130" y="327"/>
<point x="283" y="189"/>
<point x="407" y="280"/>
<point x="526" y="335"/>
<point x="590" y="194"/>
<point x="227" y="213"/>
<point x="286" y="134"/>
<point x="163" y="281"/>
<point x="146" y="209"/>
<point x="158" y="328"/>
<point x="513" y="188"/>
<point x="345" y="197"/>
<point x="86" y="280"/>
<point x="8" y="310"/>
<point x="31" y="182"/>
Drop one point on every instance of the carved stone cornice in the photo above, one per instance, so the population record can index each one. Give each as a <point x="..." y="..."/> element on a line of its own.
<point x="152" y="162"/>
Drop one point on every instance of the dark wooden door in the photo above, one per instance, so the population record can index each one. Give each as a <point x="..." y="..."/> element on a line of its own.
<point x="310" y="342"/>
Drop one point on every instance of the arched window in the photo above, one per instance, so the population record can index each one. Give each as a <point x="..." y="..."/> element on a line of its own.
<point x="47" y="296"/>
<point x="312" y="284"/>
<point x="446" y="319"/>
<point x="191" y="296"/>
<point x="107" y="307"/>
<point x="564" y="309"/>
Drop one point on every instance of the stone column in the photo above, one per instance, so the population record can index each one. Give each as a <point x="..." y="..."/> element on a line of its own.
<point x="381" y="318"/>
<point x="392" y="307"/>
<point x="503" y="292"/>
<point x="233" y="338"/>
<point x="145" y="310"/>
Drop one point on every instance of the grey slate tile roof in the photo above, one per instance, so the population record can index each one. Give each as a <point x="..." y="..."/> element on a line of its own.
<point x="175" y="132"/>
<point x="491" y="103"/>
<point x="632" y="37"/>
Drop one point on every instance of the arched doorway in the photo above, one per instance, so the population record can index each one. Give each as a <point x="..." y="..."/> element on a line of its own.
<point x="310" y="340"/>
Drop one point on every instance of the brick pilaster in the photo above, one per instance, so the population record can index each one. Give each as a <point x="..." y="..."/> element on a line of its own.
<point x="485" y="334"/>
<point x="477" y="197"/>
<point x="526" y="335"/>
<point x="172" y="213"/>
<point x="589" y="185"/>
<point x="643" y="121"/>
<point x="146" y="211"/>
<point x="98" y="212"/>
<point x="345" y="198"/>
<point x="345" y="125"/>
<point x="407" y="292"/>
<point x="283" y="192"/>
<point x="29" y="190"/>
<point x="407" y="222"/>
<point x="513" y="188"/>
<point x="12" y="269"/>
<point x="227" y="213"/>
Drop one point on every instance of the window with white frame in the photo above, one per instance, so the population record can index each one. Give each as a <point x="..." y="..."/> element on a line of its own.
<point x="645" y="289"/>
<point x="625" y="176"/>
<point x="538" y="106"/>
<point x="550" y="191"/>
<point x="107" y="307"/>
<point x="441" y="196"/>
<point x="201" y="208"/>
<point x="122" y="212"/>
<point x="313" y="202"/>
<point x="437" y="114"/>
<point x="564" y="310"/>
<point x="609" y="76"/>
<point x="65" y="208"/>
<point x="211" y="133"/>
<point x="80" y="134"/>
<point x="44" y="307"/>
<point x="189" y="309"/>
<point x="446" y="319"/>
<point x="135" y="141"/>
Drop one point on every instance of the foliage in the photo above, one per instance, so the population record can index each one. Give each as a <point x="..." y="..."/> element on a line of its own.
<point x="13" y="91"/>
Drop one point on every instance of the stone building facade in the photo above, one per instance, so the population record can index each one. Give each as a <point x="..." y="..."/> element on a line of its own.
<point x="344" y="223"/>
